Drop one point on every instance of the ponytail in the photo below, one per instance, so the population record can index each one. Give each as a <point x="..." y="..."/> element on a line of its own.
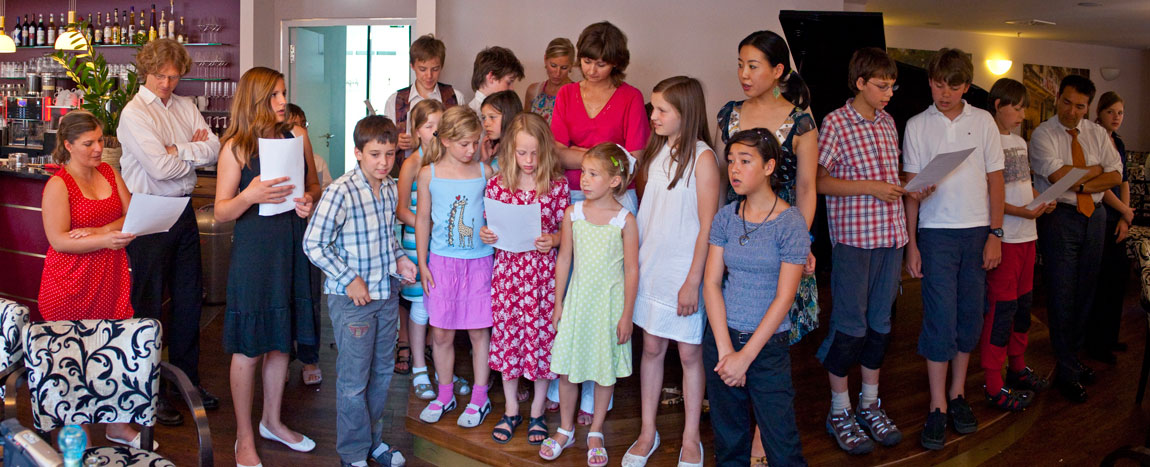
<point x="795" y="90"/>
<point x="457" y="123"/>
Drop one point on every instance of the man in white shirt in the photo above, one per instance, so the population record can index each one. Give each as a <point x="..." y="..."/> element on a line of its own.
<point x="165" y="139"/>
<point x="1070" y="238"/>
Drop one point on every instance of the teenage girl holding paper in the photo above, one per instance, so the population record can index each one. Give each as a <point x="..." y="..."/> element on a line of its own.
<point x="269" y="281"/>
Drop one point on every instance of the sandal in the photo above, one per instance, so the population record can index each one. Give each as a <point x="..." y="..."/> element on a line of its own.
<point x="555" y="447"/>
<point x="596" y="452"/>
<point x="512" y="423"/>
<point x="759" y="461"/>
<point x="551" y="406"/>
<point x="523" y="395"/>
<point x="537" y="426"/>
<point x="402" y="362"/>
<point x="311" y="377"/>
<point x="584" y="418"/>
<point x="671" y="396"/>
<point x="424" y="391"/>
<point x="462" y="387"/>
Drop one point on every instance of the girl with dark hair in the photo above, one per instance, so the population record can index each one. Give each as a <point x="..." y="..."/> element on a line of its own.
<point x="496" y="113"/>
<point x="777" y="100"/>
<point x="757" y="247"/>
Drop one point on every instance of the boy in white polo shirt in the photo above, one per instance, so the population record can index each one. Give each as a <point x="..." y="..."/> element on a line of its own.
<point x="959" y="227"/>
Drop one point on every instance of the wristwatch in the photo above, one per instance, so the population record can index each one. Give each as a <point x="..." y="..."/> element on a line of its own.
<point x="1081" y="187"/>
<point x="997" y="232"/>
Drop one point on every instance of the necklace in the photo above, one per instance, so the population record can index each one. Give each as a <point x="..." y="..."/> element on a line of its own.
<point x="746" y="236"/>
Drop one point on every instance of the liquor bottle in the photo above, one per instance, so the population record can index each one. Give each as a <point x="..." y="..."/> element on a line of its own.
<point x="41" y="31"/>
<point x="180" y="37"/>
<point x="98" y="36"/>
<point x="28" y="35"/>
<point x="152" y="26"/>
<point x="132" y="25"/>
<point x="17" y="31"/>
<point x="125" y="38"/>
<point x="172" y="19"/>
<point x="63" y="26"/>
<point x="109" y="38"/>
<point x="90" y="31"/>
<point x="163" y="32"/>
<point x="51" y="34"/>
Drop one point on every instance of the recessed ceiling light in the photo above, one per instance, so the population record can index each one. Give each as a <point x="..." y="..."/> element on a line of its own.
<point x="1089" y="4"/>
<point x="1030" y="22"/>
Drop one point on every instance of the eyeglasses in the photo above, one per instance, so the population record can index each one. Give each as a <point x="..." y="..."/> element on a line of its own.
<point x="884" y="88"/>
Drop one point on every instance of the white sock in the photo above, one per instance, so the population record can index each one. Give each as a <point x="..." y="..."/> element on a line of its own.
<point x="420" y="375"/>
<point x="869" y="395"/>
<point x="840" y="401"/>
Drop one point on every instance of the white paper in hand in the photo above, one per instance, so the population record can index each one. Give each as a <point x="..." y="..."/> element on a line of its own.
<point x="1058" y="188"/>
<point x="516" y="225"/>
<point x="149" y="214"/>
<point x="937" y="169"/>
<point x="282" y="157"/>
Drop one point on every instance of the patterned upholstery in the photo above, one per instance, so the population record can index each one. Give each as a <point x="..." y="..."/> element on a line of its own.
<point x="123" y="456"/>
<point x="13" y="319"/>
<point x="1142" y="250"/>
<point x="92" y="371"/>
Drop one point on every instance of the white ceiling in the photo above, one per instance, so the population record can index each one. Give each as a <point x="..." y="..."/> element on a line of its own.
<point x="1119" y="23"/>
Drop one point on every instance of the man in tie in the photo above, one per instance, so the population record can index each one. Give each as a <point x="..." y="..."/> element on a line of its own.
<point x="1070" y="238"/>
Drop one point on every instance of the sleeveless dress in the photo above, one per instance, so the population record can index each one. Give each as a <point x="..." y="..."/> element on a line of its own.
<point x="459" y="262"/>
<point x="543" y="104"/>
<point x="523" y="291"/>
<point x="270" y="298"/>
<point x="93" y="285"/>
<point x="585" y="346"/>
<point x="668" y="227"/>
<point x="412" y="292"/>
<point x="804" y="314"/>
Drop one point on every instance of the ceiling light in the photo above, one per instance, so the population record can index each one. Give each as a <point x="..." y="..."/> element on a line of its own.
<point x="998" y="67"/>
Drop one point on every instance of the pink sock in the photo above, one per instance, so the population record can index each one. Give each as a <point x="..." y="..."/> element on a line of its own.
<point x="445" y="394"/>
<point x="1017" y="363"/>
<point x="478" y="397"/>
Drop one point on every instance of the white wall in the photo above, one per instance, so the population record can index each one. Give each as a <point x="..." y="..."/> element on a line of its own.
<point x="1133" y="84"/>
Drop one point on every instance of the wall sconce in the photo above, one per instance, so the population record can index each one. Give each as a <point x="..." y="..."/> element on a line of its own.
<point x="1110" y="73"/>
<point x="998" y="67"/>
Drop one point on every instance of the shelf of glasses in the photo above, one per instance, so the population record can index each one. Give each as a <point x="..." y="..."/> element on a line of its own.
<point x="205" y="79"/>
<point x="112" y="46"/>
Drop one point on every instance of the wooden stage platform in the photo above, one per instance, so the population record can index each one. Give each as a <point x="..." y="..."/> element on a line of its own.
<point x="903" y="389"/>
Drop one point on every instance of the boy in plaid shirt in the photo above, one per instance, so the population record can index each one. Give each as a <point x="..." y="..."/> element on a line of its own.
<point x="858" y="173"/>
<point x="352" y="239"/>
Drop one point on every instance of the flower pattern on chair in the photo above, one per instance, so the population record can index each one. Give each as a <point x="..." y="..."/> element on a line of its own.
<point x="93" y="371"/>
<point x="1142" y="250"/>
<point x="121" y="456"/>
<point x="13" y="319"/>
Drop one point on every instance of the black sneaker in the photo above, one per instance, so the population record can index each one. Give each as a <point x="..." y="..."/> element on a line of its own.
<point x="1026" y="379"/>
<point x="934" y="432"/>
<point x="961" y="416"/>
<point x="1010" y="400"/>
<point x="1086" y="374"/>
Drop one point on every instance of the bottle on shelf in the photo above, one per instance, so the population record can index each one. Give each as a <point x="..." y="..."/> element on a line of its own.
<point x="180" y="37"/>
<point x="50" y="36"/>
<point x="109" y="33"/>
<point x="172" y="19"/>
<point x="17" y="32"/>
<point x="41" y="31"/>
<point x="27" y="36"/>
<point x="132" y="25"/>
<point x="152" y="27"/>
<point x="90" y="31"/>
<point x="125" y="38"/>
<point x="98" y="36"/>
<point x="163" y="32"/>
<point x="142" y="29"/>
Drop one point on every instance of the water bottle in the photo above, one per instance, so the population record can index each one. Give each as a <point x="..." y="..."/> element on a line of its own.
<point x="73" y="442"/>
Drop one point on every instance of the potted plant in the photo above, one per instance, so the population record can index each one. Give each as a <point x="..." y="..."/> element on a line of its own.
<point x="104" y="95"/>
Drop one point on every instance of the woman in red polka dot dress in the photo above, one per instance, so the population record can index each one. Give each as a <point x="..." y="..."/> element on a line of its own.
<point x="86" y="268"/>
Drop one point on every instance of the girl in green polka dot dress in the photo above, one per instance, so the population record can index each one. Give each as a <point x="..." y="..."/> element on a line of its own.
<point x="593" y="312"/>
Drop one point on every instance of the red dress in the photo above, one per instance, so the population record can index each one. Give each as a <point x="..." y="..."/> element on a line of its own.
<point x="93" y="285"/>
<point x="523" y="291"/>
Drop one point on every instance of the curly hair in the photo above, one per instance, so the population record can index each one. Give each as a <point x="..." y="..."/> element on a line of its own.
<point x="160" y="52"/>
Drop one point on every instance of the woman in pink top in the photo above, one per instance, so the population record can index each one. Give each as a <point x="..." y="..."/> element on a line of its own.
<point x="601" y="107"/>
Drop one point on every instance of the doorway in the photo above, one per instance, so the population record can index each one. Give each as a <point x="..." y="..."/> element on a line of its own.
<point x="335" y="69"/>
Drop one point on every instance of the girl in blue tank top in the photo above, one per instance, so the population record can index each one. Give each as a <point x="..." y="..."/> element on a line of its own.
<point x="454" y="264"/>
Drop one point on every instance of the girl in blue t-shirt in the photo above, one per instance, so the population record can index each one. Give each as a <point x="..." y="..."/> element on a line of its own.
<point x="758" y="239"/>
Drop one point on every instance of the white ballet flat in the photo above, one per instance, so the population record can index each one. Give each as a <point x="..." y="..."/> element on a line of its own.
<point x="238" y="464"/>
<point x="635" y="460"/>
<point x="688" y="464"/>
<point x="135" y="442"/>
<point x="304" y="445"/>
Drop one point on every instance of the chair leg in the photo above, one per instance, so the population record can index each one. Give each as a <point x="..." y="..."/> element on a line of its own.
<point x="1145" y="368"/>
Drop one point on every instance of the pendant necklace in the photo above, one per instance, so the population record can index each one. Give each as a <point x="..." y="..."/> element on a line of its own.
<point x="746" y="236"/>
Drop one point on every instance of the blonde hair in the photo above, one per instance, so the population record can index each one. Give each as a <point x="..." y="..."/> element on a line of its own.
<point x="72" y="125"/>
<point x="252" y="115"/>
<point x="615" y="161"/>
<point x="457" y="123"/>
<point x="560" y="47"/>
<point x="547" y="171"/>
<point x="155" y="54"/>
<point x="420" y="113"/>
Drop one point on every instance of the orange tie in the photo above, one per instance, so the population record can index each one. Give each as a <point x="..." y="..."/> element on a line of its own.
<point x="1078" y="159"/>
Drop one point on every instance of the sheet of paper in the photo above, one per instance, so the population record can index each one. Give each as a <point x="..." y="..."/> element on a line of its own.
<point x="516" y="225"/>
<point x="937" y="169"/>
<point x="1058" y="188"/>
<point x="282" y="157"/>
<point x="149" y="214"/>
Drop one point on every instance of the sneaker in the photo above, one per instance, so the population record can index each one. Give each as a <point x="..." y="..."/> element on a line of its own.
<point x="1010" y="400"/>
<point x="934" y="432"/>
<point x="1026" y="379"/>
<point x="435" y="410"/>
<point x="847" y="433"/>
<point x="961" y="416"/>
<point x="878" y="425"/>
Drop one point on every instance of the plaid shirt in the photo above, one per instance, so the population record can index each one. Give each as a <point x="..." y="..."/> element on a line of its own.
<point x="353" y="234"/>
<point x="854" y="148"/>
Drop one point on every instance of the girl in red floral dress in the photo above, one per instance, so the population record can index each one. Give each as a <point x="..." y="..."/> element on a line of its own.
<point x="523" y="284"/>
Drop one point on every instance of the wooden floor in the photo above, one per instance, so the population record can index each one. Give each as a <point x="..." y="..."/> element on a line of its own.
<point x="1051" y="432"/>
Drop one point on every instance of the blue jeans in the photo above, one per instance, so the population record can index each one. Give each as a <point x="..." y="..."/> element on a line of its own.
<point x="864" y="284"/>
<point x="365" y="337"/>
<point x="768" y="393"/>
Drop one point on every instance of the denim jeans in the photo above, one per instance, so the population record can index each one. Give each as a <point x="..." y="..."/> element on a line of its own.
<point x="768" y="393"/>
<point x="365" y="337"/>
